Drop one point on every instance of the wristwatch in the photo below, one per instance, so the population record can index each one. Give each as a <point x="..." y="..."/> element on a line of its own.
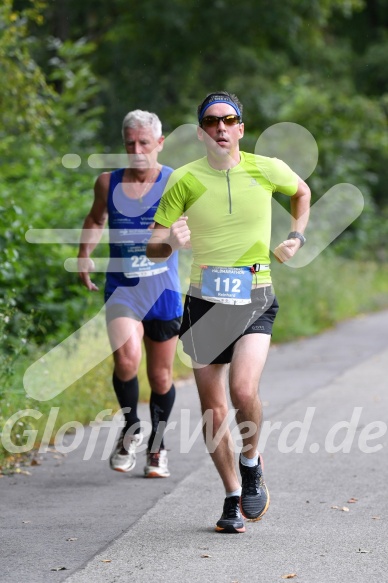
<point x="297" y="235"/>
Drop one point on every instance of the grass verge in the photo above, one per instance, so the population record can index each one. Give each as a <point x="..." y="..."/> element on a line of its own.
<point x="311" y="300"/>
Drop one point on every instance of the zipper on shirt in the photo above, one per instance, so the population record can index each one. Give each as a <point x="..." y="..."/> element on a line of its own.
<point x="229" y="192"/>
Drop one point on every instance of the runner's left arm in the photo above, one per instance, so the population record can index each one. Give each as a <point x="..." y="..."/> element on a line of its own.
<point x="300" y="211"/>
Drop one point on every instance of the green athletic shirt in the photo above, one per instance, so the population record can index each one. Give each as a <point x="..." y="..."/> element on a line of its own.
<point x="229" y="211"/>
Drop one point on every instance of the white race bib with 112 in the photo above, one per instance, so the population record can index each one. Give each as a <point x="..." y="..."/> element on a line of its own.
<point x="227" y="285"/>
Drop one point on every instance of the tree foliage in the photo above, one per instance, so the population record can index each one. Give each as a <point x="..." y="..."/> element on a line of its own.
<point x="319" y="63"/>
<point x="45" y="114"/>
<point x="71" y="70"/>
<point x="25" y="96"/>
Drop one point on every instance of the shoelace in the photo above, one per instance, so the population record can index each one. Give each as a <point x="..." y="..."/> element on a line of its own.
<point x="154" y="459"/>
<point x="131" y="445"/>
<point x="252" y="480"/>
<point x="231" y="509"/>
<point x="120" y="446"/>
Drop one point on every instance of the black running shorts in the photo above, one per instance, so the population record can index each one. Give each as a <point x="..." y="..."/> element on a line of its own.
<point x="210" y="330"/>
<point x="156" y="330"/>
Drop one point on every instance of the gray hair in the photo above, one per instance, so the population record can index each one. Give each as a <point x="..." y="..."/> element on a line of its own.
<point x="139" y="118"/>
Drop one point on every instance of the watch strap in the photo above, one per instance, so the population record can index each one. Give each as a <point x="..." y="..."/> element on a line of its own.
<point x="297" y="235"/>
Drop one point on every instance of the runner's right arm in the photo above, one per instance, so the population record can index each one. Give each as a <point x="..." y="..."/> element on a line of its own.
<point x="92" y="229"/>
<point x="164" y="241"/>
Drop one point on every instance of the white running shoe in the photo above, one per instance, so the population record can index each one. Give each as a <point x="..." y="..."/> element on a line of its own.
<point x="157" y="465"/>
<point x="123" y="457"/>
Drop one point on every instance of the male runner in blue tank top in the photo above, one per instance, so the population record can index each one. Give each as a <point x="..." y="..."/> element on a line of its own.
<point x="142" y="298"/>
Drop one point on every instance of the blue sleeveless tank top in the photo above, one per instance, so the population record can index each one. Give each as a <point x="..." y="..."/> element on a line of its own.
<point x="149" y="289"/>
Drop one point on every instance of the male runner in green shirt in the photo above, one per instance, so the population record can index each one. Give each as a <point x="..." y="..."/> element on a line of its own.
<point x="221" y="205"/>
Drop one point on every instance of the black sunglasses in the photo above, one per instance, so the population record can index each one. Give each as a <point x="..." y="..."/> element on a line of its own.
<point x="211" y="121"/>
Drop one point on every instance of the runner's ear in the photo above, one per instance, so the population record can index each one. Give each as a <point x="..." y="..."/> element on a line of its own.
<point x="200" y="134"/>
<point x="160" y="145"/>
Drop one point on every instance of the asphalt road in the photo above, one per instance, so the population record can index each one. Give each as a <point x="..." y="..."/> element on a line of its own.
<point x="325" y="448"/>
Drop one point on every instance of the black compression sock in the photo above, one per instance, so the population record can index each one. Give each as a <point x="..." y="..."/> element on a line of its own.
<point x="160" y="408"/>
<point x="127" y="393"/>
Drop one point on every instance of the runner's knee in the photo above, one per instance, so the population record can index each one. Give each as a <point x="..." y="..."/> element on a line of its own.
<point x="160" y="380"/>
<point x="126" y="366"/>
<point x="244" y="400"/>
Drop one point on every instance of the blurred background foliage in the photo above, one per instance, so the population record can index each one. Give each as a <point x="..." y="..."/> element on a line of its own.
<point x="71" y="70"/>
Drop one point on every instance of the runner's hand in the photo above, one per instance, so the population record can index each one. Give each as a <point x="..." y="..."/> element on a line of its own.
<point x="86" y="266"/>
<point x="180" y="234"/>
<point x="286" y="250"/>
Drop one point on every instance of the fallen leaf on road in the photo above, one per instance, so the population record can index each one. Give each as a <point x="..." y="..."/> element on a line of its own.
<point x="362" y="551"/>
<point x="23" y="472"/>
<point x="289" y="576"/>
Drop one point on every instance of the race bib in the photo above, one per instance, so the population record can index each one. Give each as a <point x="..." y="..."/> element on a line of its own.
<point x="227" y="285"/>
<point x="136" y="262"/>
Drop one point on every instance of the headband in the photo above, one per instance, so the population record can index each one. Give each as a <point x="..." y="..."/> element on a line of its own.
<point x="217" y="98"/>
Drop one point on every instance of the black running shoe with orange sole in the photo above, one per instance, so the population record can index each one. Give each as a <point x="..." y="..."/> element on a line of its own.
<point x="254" y="500"/>
<point x="231" y="521"/>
